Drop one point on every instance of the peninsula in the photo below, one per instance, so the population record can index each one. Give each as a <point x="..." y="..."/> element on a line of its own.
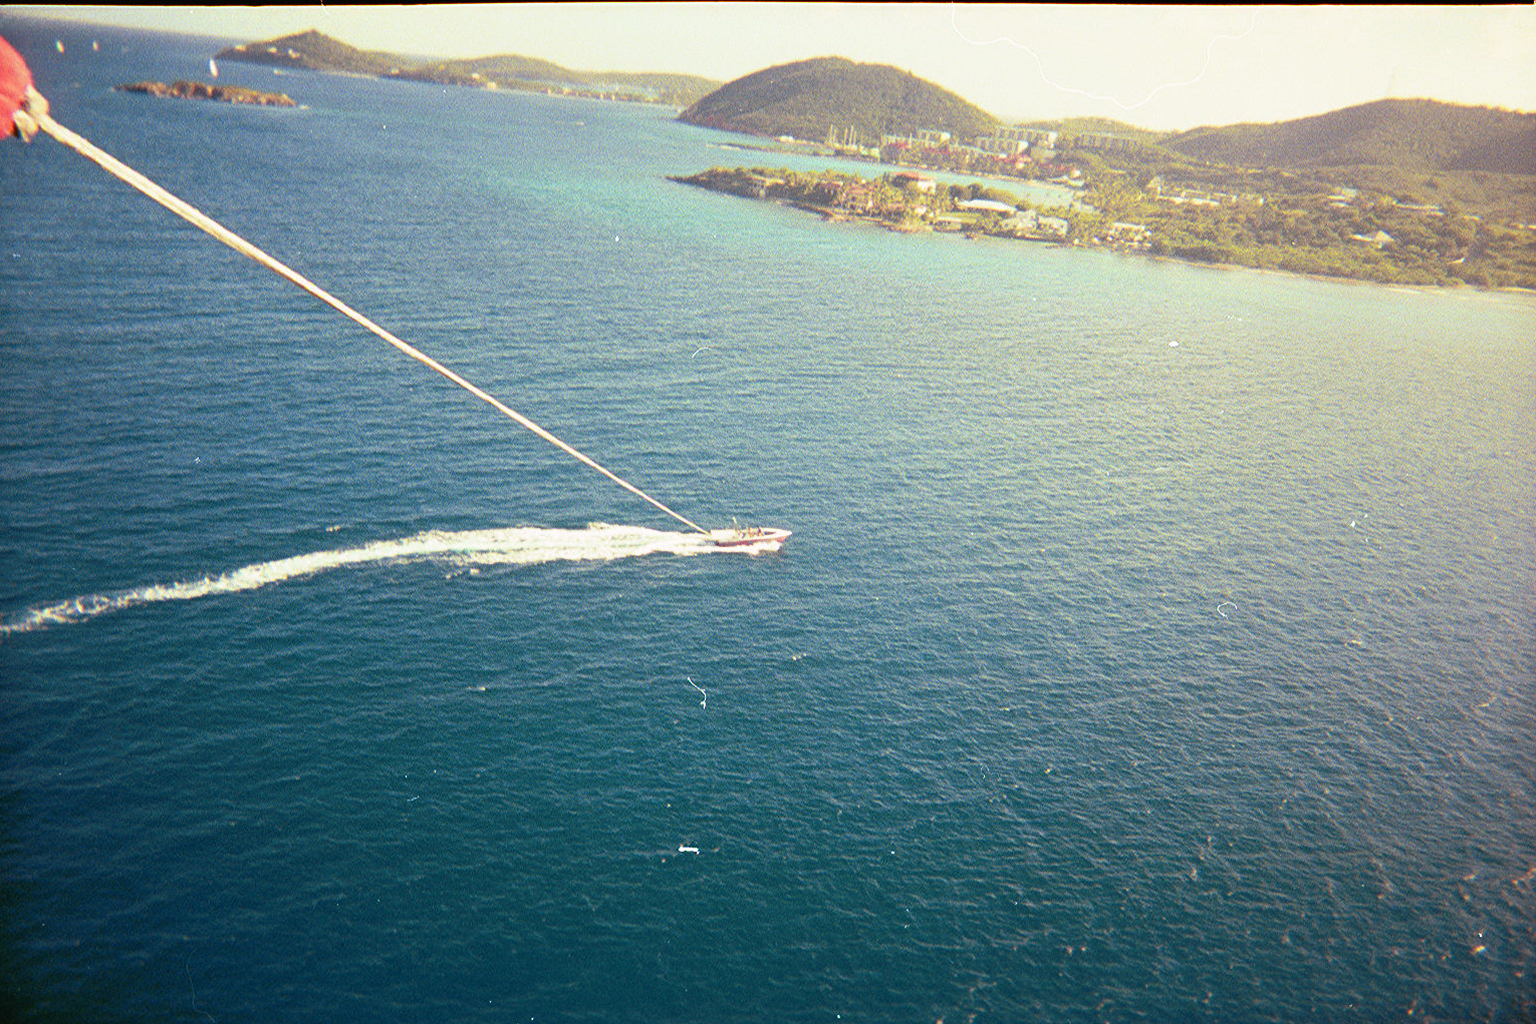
<point x="203" y="91"/>
<point x="1323" y="236"/>
<point x="900" y="201"/>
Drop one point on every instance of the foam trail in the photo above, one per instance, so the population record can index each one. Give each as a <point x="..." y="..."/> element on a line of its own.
<point x="510" y="546"/>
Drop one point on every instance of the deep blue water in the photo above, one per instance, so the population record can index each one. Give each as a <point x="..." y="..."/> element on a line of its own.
<point x="1105" y="678"/>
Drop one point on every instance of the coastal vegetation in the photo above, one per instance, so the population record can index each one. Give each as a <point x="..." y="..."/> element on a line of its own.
<point x="900" y="201"/>
<point x="316" y="51"/>
<point x="1366" y="238"/>
<point x="1338" y="233"/>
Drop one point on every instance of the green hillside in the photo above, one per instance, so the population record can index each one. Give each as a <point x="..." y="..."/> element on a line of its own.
<point x="1409" y="135"/>
<point x="808" y="98"/>
<point x="313" y="51"/>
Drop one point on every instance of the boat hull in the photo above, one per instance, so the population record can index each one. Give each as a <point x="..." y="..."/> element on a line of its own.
<point x="740" y="538"/>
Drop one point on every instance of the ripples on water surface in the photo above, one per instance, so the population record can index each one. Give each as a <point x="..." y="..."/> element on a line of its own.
<point x="1104" y="678"/>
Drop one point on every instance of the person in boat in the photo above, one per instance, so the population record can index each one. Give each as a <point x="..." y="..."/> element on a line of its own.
<point x="20" y="102"/>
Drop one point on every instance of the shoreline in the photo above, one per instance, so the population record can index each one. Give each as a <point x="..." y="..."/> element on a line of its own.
<point x="755" y="184"/>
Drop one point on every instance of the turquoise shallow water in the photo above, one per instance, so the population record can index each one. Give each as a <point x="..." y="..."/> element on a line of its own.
<point x="1104" y="678"/>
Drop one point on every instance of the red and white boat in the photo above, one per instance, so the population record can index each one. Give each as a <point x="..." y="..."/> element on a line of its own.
<point x="742" y="536"/>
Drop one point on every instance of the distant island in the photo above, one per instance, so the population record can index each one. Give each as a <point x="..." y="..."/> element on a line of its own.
<point x="203" y="91"/>
<point x="315" y="51"/>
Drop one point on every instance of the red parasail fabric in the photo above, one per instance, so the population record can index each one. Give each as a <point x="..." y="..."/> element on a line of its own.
<point x="15" y="80"/>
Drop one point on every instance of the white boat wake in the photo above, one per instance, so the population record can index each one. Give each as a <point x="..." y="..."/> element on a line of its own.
<point x="512" y="546"/>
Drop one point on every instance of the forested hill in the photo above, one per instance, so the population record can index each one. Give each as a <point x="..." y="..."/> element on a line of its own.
<point x="313" y="51"/>
<point x="318" y="52"/>
<point x="1410" y="135"/>
<point x="810" y="98"/>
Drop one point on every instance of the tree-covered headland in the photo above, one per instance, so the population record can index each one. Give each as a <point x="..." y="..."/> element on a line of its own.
<point x="1300" y="228"/>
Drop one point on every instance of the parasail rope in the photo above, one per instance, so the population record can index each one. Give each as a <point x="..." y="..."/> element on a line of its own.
<point x="127" y="174"/>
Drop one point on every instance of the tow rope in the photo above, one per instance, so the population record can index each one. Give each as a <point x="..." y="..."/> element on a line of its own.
<point x="32" y="116"/>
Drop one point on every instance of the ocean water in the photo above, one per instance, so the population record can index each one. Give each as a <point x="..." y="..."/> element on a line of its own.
<point x="1155" y="642"/>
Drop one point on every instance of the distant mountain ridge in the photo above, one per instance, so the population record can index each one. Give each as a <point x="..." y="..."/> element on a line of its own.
<point x="316" y="51"/>
<point x="313" y="51"/>
<point x="514" y="70"/>
<point x="810" y="99"/>
<point x="1411" y="135"/>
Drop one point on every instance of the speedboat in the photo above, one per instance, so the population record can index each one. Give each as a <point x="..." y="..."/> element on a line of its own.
<point x="742" y="536"/>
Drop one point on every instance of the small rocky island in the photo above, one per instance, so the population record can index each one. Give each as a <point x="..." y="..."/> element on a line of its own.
<point x="204" y="91"/>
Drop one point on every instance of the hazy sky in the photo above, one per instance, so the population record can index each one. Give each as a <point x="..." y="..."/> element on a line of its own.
<point x="1159" y="67"/>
